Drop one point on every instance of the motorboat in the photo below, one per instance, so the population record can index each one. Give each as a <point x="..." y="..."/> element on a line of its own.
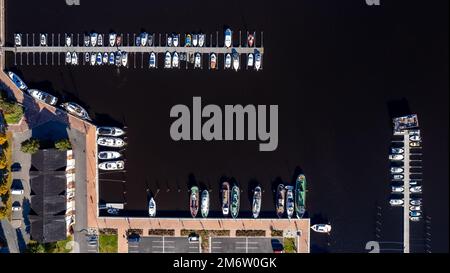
<point x="213" y="61"/>
<point x="114" y="142"/>
<point x="396" y="202"/>
<point x="75" y="110"/>
<point x="43" y="39"/>
<point x="112" y="211"/>
<point x="235" y="201"/>
<point x="74" y="58"/>
<point x="175" y="60"/>
<point x="194" y="39"/>
<point x="197" y="60"/>
<point x="152" y="207"/>
<point x="112" y="39"/>
<point x="280" y="200"/>
<point x="43" y="96"/>
<point x="175" y="40"/>
<point x="257" y="60"/>
<point x="416" y="189"/>
<point x="68" y="40"/>
<point x="397" y="151"/>
<point x="256" y="205"/>
<point x="396" y="170"/>
<point x="17" y="81"/>
<point x="188" y="41"/>
<point x="138" y="41"/>
<point x="168" y="60"/>
<point x="397" y="176"/>
<point x="415" y="208"/>
<point x="228" y="35"/>
<point x="108" y="155"/>
<point x="415" y="213"/>
<point x="250" y="60"/>
<point x="68" y="58"/>
<point x="228" y="61"/>
<point x="94" y="37"/>
<point x="415" y="202"/>
<point x="396" y="157"/>
<point x="105" y="58"/>
<point x="236" y="61"/>
<point x="110" y="131"/>
<point x="119" y="40"/>
<point x="93" y="57"/>
<point x="112" y="58"/>
<point x="169" y="41"/>
<point x="152" y="60"/>
<point x="87" y="57"/>
<point x="193" y="201"/>
<point x="415" y="218"/>
<point x="150" y="40"/>
<point x="124" y="59"/>
<point x="112" y="165"/>
<point x="300" y="196"/>
<point x="100" y="40"/>
<point x="144" y="38"/>
<point x="250" y="40"/>
<point x="414" y="138"/>
<point x="201" y="40"/>
<point x="289" y="201"/>
<point x="397" y="189"/>
<point x="321" y="228"/>
<point x="118" y="58"/>
<point x="18" y="39"/>
<point x="99" y="60"/>
<point x="204" y="205"/>
<point x="225" y="198"/>
<point x="87" y="40"/>
<point x="414" y="144"/>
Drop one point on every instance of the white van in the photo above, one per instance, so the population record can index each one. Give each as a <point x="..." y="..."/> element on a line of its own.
<point x="16" y="191"/>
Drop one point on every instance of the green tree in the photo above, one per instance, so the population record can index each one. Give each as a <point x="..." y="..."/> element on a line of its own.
<point x="35" y="248"/>
<point x="12" y="111"/>
<point x="3" y="138"/>
<point x="30" y="146"/>
<point x="63" y="144"/>
<point x="3" y="161"/>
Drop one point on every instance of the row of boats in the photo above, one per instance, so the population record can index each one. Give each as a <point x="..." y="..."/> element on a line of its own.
<point x="110" y="137"/>
<point x="118" y="58"/>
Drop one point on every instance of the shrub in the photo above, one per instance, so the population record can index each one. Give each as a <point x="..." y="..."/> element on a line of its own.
<point x="3" y="161"/>
<point x="12" y="111"/>
<point x="3" y="138"/>
<point x="30" y="146"/>
<point x="63" y="144"/>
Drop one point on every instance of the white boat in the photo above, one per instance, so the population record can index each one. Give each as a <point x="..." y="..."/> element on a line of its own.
<point x="144" y="38"/>
<point x="169" y="40"/>
<point x="112" y="58"/>
<point x="112" y="211"/>
<point x="228" y="34"/>
<point x="43" y="96"/>
<point x="396" y="170"/>
<point x="118" y="58"/>
<point x="397" y="151"/>
<point x="87" y="57"/>
<point x="414" y="138"/>
<point x="289" y="201"/>
<point x="17" y="39"/>
<point x="124" y="59"/>
<point x="256" y="206"/>
<point x="168" y="60"/>
<point x="94" y="37"/>
<point x="112" y="39"/>
<point x="43" y="39"/>
<point x="194" y="39"/>
<point x="152" y="60"/>
<point x="415" y="202"/>
<point x="74" y="58"/>
<point x="111" y="142"/>
<point x="68" y="57"/>
<point x="105" y="58"/>
<point x="108" y="155"/>
<point x="397" y="189"/>
<point x="228" y="61"/>
<point x="76" y="110"/>
<point x="236" y="61"/>
<point x="397" y="176"/>
<point x="201" y="40"/>
<point x="175" y="40"/>
<point x="416" y="189"/>
<point x="110" y="131"/>
<point x="396" y="202"/>
<point x="138" y="41"/>
<point x="204" y="205"/>
<point x="321" y="228"/>
<point x="152" y="207"/>
<point x="250" y="59"/>
<point x="93" y="57"/>
<point x="100" y="40"/>
<point x="175" y="60"/>
<point x="68" y="40"/>
<point x="17" y="81"/>
<point x="99" y="58"/>
<point x="396" y="157"/>
<point x="112" y="165"/>
<point x="87" y="40"/>
<point x="257" y="60"/>
<point x="415" y="208"/>
<point x="213" y="61"/>
<point x="197" y="60"/>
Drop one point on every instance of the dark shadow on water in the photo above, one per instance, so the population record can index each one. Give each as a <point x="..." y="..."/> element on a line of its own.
<point x="26" y="206"/>
<point x="21" y="241"/>
<point x="102" y="119"/>
<point x="191" y="181"/>
<point x="398" y="108"/>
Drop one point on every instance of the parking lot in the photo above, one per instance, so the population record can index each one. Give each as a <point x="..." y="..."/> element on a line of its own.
<point x="157" y="244"/>
<point x="245" y="245"/>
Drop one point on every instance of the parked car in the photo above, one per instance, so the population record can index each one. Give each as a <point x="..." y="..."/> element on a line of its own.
<point x="193" y="237"/>
<point x="134" y="238"/>
<point x="16" y="207"/>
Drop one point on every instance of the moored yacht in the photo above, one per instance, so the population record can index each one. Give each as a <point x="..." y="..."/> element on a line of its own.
<point x="138" y="41"/>
<point x="112" y="39"/>
<point x="74" y="58"/>
<point x="43" y="40"/>
<point x="43" y="96"/>
<point x="124" y="59"/>
<point x="87" y="57"/>
<point x="188" y="41"/>
<point x="152" y="207"/>
<point x="75" y="110"/>
<point x="175" y="60"/>
<point x="256" y="206"/>
<point x="110" y="131"/>
<point x="68" y="40"/>
<point x="235" y="201"/>
<point x="111" y="59"/>
<point x="119" y="40"/>
<point x="194" y="39"/>
<point x="18" y="39"/>
<point x="114" y="142"/>
<point x="144" y="38"/>
<point x="112" y="165"/>
<point x="236" y="60"/>
<point x="17" y="81"/>
<point x="105" y="58"/>
<point x="280" y="199"/>
<point x="68" y="57"/>
<point x="204" y="205"/>
<point x="201" y="40"/>
<point x="99" y="58"/>
<point x="250" y="40"/>
<point x="228" y="61"/>
<point x="193" y="201"/>
<point x="107" y="155"/>
<point x="169" y="40"/>
<point x="250" y="60"/>
<point x="197" y="60"/>
<point x="321" y="228"/>
<point x="289" y="201"/>
<point x="93" y="57"/>
<point x="213" y="61"/>
<point x="168" y="60"/>
<point x="87" y="40"/>
<point x="150" y="40"/>
<point x="118" y="58"/>
<point x="175" y="40"/>
<point x="300" y="196"/>
<point x="94" y="37"/>
<point x="152" y="60"/>
<point x="257" y="60"/>
<point x="225" y="198"/>
<point x="100" y="40"/>
<point x="228" y="34"/>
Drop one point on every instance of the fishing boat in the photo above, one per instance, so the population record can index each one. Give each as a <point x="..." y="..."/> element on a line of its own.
<point x="112" y="165"/>
<point x="188" y="41"/>
<point x="94" y="37"/>
<point x="198" y="60"/>
<point x="228" y="34"/>
<point x="168" y="60"/>
<point x="250" y="40"/>
<point x="17" y="39"/>
<point x="87" y="57"/>
<point x="300" y="195"/>
<point x="75" y="110"/>
<point x="99" y="58"/>
<point x="119" y="40"/>
<point x="281" y="193"/>
<point x="175" y="60"/>
<point x="68" y="40"/>
<point x="225" y="198"/>
<point x="110" y="131"/>
<point x="152" y="207"/>
<point x="144" y="38"/>
<point x="138" y="41"/>
<point x="236" y="61"/>
<point x="68" y="57"/>
<point x="257" y="60"/>
<point x="201" y="40"/>
<point x="105" y="58"/>
<point x="17" y="81"/>
<point x="74" y="58"/>
<point x="152" y="60"/>
<point x="250" y="60"/>
<point x="193" y="201"/>
<point x="93" y="57"/>
<point x="124" y="58"/>
<point x="118" y="58"/>
<point x="111" y="58"/>
<point x="228" y="61"/>
<point x="43" y="39"/>
<point x="43" y="96"/>
<point x="235" y="201"/>
<point x="108" y="155"/>
<point x="204" y="205"/>
<point x="321" y="228"/>
<point x="289" y="201"/>
<point x="87" y="40"/>
<point x="100" y="40"/>
<point x="114" y="142"/>
<point x="112" y="39"/>
<point x="175" y="40"/>
<point x="213" y="61"/>
<point x="256" y="206"/>
<point x="194" y="39"/>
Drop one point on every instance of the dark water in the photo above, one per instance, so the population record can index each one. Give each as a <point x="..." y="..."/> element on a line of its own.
<point x="333" y="67"/>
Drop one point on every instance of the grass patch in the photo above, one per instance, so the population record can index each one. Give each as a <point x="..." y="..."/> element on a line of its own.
<point x="205" y="234"/>
<point x="289" y="245"/>
<point x="107" y="243"/>
<point x="12" y="111"/>
<point x="161" y="232"/>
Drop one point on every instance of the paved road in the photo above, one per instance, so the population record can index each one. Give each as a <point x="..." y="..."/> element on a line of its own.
<point x="164" y="245"/>
<point x="244" y="245"/>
